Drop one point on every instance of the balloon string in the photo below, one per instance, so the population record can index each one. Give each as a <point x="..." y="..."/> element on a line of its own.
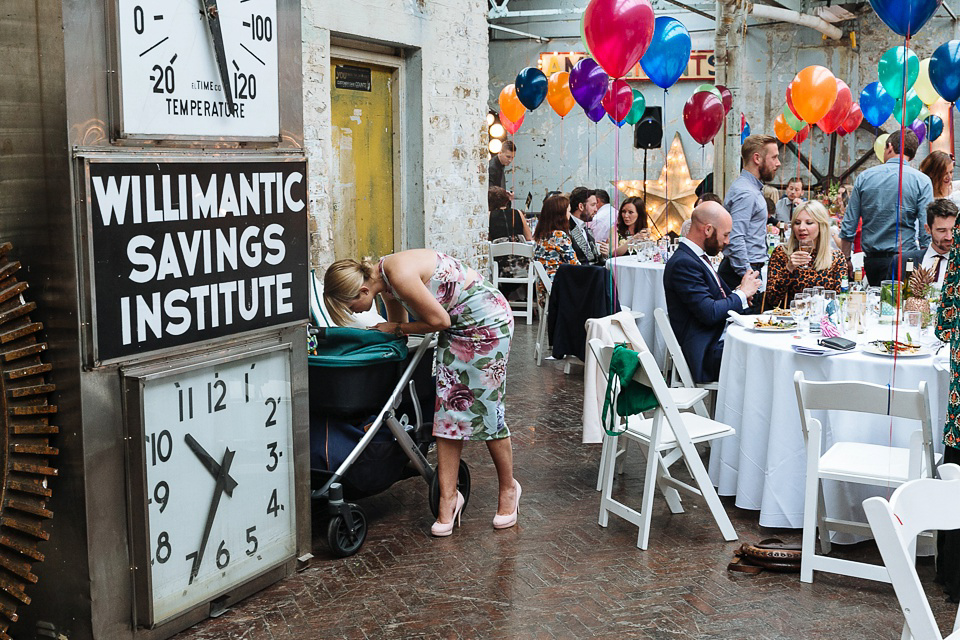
<point x="563" y="157"/>
<point x="810" y="162"/>
<point x="611" y="245"/>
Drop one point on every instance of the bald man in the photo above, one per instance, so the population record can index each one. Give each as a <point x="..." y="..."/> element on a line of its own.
<point x="697" y="299"/>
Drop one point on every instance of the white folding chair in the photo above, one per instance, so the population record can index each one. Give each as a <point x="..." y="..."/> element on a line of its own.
<point x="523" y="309"/>
<point x="676" y="370"/>
<point x="916" y="506"/>
<point x="668" y="436"/>
<point x="857" y="462"/>
<point x="542" y="305"/>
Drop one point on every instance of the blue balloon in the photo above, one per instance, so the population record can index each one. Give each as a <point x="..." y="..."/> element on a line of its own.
<point x="745" y="133"/>
<point x="945" y="70"/>
<point x="668" y="55"/>
<point x="905" y="17"/>
<point x="619" y="124"/>
<point x="876" y="104"/>
<point x="531" y="85"/>
<point x="934" y="127"/>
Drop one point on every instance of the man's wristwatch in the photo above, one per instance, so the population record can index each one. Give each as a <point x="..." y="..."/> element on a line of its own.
<point x="397" y="331"/>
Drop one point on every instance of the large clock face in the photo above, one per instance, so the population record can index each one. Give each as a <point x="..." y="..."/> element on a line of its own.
<point x="219" y="478"/>
<point x="170" y="81"/>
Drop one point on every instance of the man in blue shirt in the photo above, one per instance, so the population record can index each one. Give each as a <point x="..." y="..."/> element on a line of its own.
<point x="747" y="207"/>
<point x="874" y="200"/>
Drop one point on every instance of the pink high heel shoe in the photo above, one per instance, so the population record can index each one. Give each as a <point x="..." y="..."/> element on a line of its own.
<point x="505" y="522"/>
<point x="441" y="530"/>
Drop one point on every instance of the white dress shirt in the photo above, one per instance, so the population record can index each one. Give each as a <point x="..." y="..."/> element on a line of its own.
<point x="693" y="246"/>
<point x="930" y="262"/>
<point x="602" y="223"/>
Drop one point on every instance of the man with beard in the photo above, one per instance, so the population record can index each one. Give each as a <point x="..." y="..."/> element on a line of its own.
<point x="875" y="198"/>
<point x="941" y="216"/>
<point x="697" y="299"/>
<point x="583" y="207"/>
<point x="747" y="207"/>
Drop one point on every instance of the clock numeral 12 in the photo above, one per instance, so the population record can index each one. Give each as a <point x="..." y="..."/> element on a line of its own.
<point x="220" y="405"/>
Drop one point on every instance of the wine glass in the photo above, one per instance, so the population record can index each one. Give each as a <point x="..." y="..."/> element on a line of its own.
<point x="808" y="245"/>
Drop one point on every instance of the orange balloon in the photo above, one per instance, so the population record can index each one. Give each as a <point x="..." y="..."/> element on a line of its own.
<point x="558" y="93"/>
<point x="782" y="130"/>
<point x="510" y="104"/>
<point x="814" y="92"/>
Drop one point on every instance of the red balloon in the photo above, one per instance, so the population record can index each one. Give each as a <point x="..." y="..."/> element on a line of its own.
<point x="510" y="125"/>
<point x="840" y="109"/>
<point x="793" y="109"/>
<point x="726" y="97"/>
<point x="618" y="33"/>
<point x="852" y="122"/>
<point x="618" y="100"/>
<point x="802" y="134"/>
<point x="703" y="116"/>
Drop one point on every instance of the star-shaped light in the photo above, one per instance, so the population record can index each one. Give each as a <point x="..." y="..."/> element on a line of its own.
<point x="670" y="199"/>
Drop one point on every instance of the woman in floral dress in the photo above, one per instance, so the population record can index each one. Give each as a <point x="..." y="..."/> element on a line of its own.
<point x="552" y="235"/>
<point x="475" y="326"/>
<point x="948" y="330"/>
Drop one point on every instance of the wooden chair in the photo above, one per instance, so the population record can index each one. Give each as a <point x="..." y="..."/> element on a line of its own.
<point x="857" y="462"/>
<point x="916" y="506"/>
<point x="667" y="437"/>
<point x="523" y="309"/>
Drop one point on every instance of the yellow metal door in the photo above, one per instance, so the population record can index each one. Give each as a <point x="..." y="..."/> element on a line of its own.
<point x="362" y="118"/>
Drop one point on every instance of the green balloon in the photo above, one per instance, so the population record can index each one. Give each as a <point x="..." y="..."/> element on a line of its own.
<point x="793" y="121"/>
<point x="712" y="89"/>
<point x="639" y="106"/>
<point x="914" y="105"/>
<point x="890" y="70"/>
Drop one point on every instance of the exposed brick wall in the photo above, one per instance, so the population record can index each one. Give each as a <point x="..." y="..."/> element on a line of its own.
<point x="452" y="39"/>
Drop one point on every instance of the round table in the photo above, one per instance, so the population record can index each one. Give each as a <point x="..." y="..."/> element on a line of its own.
<point x="640" y="287"/>
<point x="763" y="464"/>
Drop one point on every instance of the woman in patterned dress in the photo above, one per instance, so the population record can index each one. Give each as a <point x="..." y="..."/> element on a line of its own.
<point x="948" y="330"/>
<point x="474" y="325"/>
<point x="806" y="260"/>
<point x="552" y="235"/>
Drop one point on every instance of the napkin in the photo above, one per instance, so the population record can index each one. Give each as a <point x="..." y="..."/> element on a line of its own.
<point x="743" y="321"/>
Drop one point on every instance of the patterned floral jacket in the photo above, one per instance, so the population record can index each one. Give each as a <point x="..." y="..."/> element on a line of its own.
<point x="948" y="330"/>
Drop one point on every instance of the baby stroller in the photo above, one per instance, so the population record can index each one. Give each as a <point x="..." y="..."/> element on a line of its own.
<point x="359" y="381"/>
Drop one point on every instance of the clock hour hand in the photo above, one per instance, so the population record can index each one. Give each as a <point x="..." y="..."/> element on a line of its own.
<point x="209" y="463"/>
<point x="212" y="15"/>
<point x="212" y="514"/>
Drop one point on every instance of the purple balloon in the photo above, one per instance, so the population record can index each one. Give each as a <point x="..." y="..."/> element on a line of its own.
<point x="588" y="83"/>
<point x="919" y="127"/>
<point x="596" y="114"/>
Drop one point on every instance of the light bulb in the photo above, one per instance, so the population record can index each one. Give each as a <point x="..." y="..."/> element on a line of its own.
<point x="497" y="131"/>
<point x="490" y="119"/>
<point x="495" y="145"/>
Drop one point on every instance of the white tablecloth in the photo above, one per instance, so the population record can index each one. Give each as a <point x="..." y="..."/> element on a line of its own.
<point x="763" y="464"/>
<point x="640" y="287"/>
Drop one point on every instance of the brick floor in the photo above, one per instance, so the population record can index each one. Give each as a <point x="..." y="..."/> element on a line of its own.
<point x="558" y="574"/>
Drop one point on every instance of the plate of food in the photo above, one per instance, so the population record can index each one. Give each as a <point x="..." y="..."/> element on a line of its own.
<point x="773" y="323"/>
<point x="889" y="348"/>
<point x="779" y="313"/>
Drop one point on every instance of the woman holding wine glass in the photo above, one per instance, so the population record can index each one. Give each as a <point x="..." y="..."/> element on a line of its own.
<point x="806" y="260"/>
<point x="631" y="225"/>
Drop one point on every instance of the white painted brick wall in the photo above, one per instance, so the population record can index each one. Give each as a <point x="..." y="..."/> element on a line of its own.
<point x="453" y="38"/>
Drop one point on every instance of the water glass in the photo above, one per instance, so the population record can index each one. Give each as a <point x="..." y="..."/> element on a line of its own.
<point x="798" y="309"/>
<point x="912" y="320"/>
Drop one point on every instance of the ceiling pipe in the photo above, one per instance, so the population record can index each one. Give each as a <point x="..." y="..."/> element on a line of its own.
<point x="795" y="17"/>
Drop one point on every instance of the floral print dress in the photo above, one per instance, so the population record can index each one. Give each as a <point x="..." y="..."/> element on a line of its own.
<point x="471" y="354"/>
<point x="948" y="330"/>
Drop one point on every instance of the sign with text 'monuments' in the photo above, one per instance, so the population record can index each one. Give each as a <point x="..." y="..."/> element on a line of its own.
<point x="701" y="65"/>
<point x="183" y="252"/>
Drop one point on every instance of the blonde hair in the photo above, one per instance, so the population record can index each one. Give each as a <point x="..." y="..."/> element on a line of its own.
<point x="819" y="214"/>
<point x="341" y="286"/>
<point x="771" y="192"/>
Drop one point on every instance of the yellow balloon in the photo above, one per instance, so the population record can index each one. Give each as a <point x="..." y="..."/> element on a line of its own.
<point x="880" y="145"/>
<point x="923" y="86"/>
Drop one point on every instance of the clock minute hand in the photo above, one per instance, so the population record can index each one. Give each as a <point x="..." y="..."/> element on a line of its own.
<point x="212" y="15"/>
<point x="212" y="514"/>
<point x="209" y="463"/>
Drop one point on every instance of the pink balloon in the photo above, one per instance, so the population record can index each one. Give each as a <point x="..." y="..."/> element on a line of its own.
<point x="618" y="100"/>
<point x="802" y="134"/>
<point x="840" y="109"/>
<point x="618" y="33"/>
<point x="510" y="125"/>
<point x="703" y="116"/>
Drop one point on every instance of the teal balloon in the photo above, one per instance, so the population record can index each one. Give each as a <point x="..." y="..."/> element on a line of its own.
<point x="793" y="121"/>
<point x="712" y="89"/>
<point x="890" y="70"/>
<point x="934" y="127"/>
<point x="914" y="105"/>
<point x="639" y="106"/>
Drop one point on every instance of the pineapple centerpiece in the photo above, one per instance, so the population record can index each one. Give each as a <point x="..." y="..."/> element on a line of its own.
<point x="917" y="291"/>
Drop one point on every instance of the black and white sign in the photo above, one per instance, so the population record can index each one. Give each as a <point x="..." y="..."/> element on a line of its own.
<point x="184" y="252"/>
<point x="353" y="78"/>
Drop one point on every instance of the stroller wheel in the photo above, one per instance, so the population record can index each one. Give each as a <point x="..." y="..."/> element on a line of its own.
<point x="463" y="486"/>
<point x="342" y="541"/>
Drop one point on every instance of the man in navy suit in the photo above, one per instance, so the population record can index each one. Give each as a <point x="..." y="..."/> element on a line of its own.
<point x="697" y="299"/>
